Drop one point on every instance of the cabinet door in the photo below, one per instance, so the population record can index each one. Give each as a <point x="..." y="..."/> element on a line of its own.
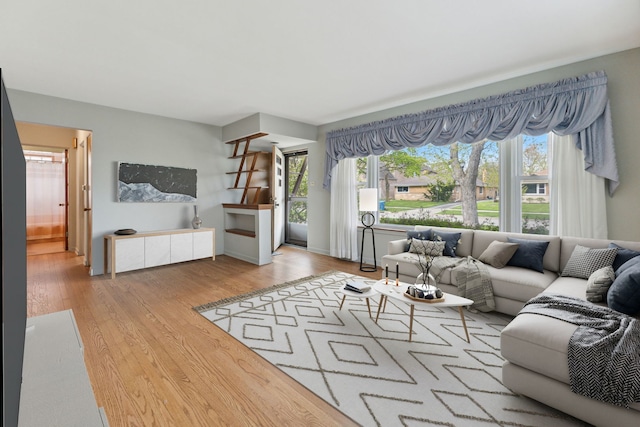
<point x="181" y="247"/>
<point x="129" y="254"/>
<point x="157" y="250"/>
<point x="202" y="244"/>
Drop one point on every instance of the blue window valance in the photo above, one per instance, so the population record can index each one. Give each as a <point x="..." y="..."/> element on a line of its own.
<point x="577" y="106"/>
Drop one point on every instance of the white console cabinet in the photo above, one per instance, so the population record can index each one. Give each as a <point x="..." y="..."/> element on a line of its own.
<point x="151" y="249"/>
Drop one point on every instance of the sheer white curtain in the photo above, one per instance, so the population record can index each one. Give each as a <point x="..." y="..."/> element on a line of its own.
<point x="343" y="238"/>
<point x="578" y="198"/>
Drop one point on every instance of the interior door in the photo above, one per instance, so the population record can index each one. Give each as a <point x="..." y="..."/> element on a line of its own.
<point x="47" y="200"/>
<point x="277" y="197"/>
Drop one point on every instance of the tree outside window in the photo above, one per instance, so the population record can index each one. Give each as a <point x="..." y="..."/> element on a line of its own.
<point x="458" y="185"/>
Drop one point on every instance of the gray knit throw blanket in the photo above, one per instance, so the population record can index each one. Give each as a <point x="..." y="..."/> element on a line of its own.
<point x="471" y="277"/>
<point x="604" y="352"/>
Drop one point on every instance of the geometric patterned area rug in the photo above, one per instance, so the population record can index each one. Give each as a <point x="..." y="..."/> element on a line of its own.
<point x="371" y="372"/>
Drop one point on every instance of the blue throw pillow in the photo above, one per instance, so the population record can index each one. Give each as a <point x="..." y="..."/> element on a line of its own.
<point x="622" y="256"/>
<point x="529" y="254"/>
<point x="624" y="293"/>
<point x="633" y="261"/>
<point x="417" y="234"/>
<point x="450" y="240"/>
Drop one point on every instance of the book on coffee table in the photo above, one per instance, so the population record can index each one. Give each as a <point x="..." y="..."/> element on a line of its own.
<point x="357" y="286"/>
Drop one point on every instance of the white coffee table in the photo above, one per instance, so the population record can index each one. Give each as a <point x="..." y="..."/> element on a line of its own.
<point x="366" y="295"/>
<point x="397" y="293"/>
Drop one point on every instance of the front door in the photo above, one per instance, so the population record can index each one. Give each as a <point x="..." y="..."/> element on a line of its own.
<point x="297" y="191"/>
<point x="277" y="197"/>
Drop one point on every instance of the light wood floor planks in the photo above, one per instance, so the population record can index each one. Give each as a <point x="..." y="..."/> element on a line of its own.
<point x="152" y="360"/>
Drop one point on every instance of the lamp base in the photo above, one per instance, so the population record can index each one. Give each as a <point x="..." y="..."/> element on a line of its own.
<point x="373" y="241"/>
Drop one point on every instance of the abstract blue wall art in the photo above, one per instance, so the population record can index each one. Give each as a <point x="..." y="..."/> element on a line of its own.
<point x="147" y="183"/>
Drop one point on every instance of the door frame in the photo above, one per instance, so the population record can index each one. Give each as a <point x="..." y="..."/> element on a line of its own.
<point x="287" y="237"/>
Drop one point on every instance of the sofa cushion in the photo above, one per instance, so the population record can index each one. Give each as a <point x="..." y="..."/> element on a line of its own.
<point x="599" y="283"/>
<point x="428" y="247"/>
<point x="527" y="341"/>
<point x="498" y="253"/>
<point x="623" y="255"/>
<point x="451" y="240"/>
<point x="624" y="293"/>
<point x="584" y="261"/>
<point x="529" y="255"/>
<point x="569" y="286"/>
<point x="520" y="284"/>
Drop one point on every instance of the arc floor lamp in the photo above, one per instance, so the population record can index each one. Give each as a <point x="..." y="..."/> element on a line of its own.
<point x="368" y="204"/>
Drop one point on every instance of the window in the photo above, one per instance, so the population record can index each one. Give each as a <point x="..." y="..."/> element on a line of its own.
<point x="534" y="188"/>
<point x="526" y="203"/>
<point x="510" y="191"/>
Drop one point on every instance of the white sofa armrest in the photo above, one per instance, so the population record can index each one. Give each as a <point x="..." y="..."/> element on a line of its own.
<point x="396" y="246"/>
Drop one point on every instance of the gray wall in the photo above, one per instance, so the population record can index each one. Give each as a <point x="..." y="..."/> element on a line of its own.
<point x="14" y="262"/>
<point x="624" y="94"/>
<point x="127" y="136"/>
<point x="133" y="137"/>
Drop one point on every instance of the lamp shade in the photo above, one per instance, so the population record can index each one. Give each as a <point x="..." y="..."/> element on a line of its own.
<point x="368" y="200"/>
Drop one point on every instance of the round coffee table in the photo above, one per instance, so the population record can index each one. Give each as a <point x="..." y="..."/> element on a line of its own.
<point x="366" y="295"/>
<point x="397" y="293"/>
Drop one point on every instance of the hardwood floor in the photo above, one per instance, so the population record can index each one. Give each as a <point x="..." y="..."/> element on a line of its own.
<point x="153" y="361"/>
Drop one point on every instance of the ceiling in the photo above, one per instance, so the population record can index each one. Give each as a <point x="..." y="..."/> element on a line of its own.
<point x="217" y="61"/>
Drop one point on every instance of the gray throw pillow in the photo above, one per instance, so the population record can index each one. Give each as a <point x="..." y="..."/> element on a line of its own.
<point x="584" y="261"/>
<point x="498" y="253"/>
<point x="598" y="284"/>
<point x="427" y="247"/>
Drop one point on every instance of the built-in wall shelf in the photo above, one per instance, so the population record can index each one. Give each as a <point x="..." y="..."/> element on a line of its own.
<point x="247" y="232"/>
<point x="241" y="232"/>
<point x="252" y="175"/>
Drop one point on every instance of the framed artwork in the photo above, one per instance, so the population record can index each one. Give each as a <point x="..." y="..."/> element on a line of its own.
<point x="156" y="184"/>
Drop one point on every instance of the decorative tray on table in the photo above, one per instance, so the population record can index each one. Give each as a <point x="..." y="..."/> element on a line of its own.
<point x="430" y="295"/>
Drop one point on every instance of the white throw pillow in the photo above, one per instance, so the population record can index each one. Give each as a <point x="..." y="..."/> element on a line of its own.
<point x="428" y="247"/>
<point x="599" y="283"/>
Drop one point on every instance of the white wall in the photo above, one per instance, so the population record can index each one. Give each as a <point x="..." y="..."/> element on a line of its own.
<point x="624" y="94"/>
<point x="120" y="135"/>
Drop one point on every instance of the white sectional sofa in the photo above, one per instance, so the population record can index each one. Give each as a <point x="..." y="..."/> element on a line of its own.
<point x="534" y="346"/>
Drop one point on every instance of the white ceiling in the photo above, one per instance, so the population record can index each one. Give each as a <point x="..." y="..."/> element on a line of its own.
<point x="217" y="61"/>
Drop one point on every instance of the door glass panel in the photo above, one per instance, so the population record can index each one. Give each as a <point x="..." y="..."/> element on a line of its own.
<point x="297" y="191"/>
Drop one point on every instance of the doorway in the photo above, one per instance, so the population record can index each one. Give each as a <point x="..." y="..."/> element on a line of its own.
<point x="47" y="181"/>
<point x="296" y="177"/>
<point x="47" y="143"/>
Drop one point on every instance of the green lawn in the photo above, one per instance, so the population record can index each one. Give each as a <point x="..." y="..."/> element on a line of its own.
<point x="485" y="208"/>
<point x="491" y="210"/>
<point x="404" y="205"/>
